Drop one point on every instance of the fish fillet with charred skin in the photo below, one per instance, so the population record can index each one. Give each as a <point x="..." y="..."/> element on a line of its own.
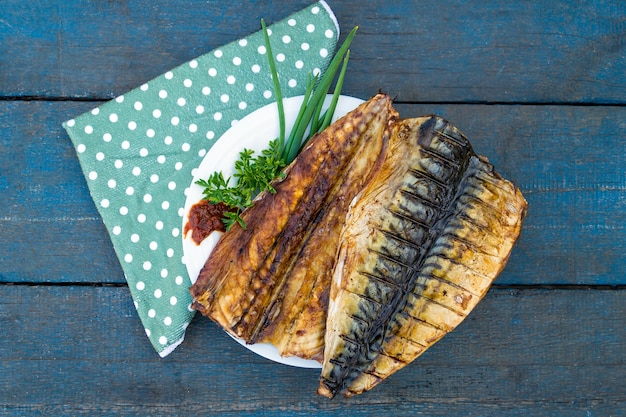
<point x="269" y="282"/>
<point x="419" y="250"/>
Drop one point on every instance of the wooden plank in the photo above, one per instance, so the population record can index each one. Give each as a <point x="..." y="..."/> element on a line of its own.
<point x="93" y="49"/>
<point x="562" y="157"/>
<point x="50" y="230"/>
<point x="425" y="51"/>
<point x="490" y="51"/>
<point x="82" y="351"/>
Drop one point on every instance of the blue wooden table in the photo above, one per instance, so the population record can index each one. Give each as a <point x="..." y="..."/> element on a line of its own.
<point x="538" y="87"/>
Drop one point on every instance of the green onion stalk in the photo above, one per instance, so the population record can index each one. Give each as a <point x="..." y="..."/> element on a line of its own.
<point x="315" y="94"/>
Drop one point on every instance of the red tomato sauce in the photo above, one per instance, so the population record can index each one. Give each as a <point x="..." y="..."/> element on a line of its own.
<point x="204" y="218"/>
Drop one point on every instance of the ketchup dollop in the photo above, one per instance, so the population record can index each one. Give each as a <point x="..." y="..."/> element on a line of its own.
<point x="204" y="218"/>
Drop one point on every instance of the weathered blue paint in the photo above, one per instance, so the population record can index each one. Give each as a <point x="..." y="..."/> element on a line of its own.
<point x="538" y="87"/>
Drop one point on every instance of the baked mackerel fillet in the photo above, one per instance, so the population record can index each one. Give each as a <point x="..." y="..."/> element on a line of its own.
<point x="270" y="282"/>
<point x="419" y="250"/>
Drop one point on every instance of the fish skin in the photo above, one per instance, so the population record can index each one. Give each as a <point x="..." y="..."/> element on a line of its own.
<point x="297" y="327"/>
<point x="270" y="281"/>
<point x="419" y="250"/>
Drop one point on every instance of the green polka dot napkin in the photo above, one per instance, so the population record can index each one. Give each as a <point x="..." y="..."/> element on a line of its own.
<point x="139" y="151"/>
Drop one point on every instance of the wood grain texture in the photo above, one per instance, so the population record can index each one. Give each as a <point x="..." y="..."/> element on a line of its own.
<point x="562" y="157"/>
<point x="49" y="226"/>
<point x="427" y="51"/>
<point x="81" y="350"/>
<point x="538" y="87"/>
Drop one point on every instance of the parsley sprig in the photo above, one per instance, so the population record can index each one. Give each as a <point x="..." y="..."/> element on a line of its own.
<point x="255" y="173"/>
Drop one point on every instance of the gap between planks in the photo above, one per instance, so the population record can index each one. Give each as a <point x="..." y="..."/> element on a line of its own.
<point x="438" y="103"/>
<point x="497" y="287"/>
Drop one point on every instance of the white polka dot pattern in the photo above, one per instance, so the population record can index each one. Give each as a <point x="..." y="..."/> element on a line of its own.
<point x="139" y="150"/>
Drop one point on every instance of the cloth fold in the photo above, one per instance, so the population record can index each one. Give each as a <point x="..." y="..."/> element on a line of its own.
<point x="139" y="151"/>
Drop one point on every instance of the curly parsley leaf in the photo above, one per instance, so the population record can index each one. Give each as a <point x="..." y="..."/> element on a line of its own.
<point x="253" y="175"/>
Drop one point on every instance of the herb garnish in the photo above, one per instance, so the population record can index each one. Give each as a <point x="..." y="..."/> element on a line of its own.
<point x="254" y="174"/>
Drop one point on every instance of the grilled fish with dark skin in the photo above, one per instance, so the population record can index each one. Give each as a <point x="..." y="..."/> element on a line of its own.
<point x="419" y="250"/>
<point x="269" y="282"/>
<point x="381" y="238"/>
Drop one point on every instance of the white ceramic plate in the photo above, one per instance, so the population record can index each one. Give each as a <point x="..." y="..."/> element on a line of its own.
<point x="254" y="131"/>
